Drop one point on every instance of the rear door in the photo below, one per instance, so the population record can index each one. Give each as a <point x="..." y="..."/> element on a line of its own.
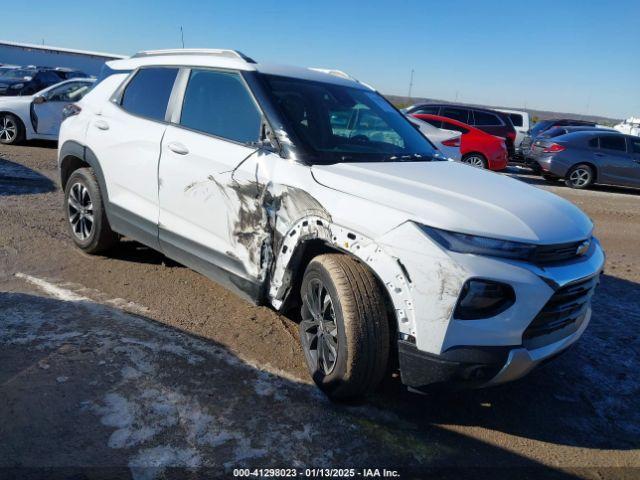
<point x="125" y="136"/>
<point x="210" y="192"/>
<point x="47" y="116"/>
<point x="460" y="114"/>
<point x="615" y="164"/>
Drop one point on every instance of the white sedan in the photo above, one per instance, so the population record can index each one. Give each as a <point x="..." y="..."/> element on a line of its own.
<point x="447" y="141"/>
<point x="39" y="116"/>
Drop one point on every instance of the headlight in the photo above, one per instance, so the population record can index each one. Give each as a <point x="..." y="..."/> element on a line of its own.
<point x="465" y="243"/>
<point x="15" y="86"/>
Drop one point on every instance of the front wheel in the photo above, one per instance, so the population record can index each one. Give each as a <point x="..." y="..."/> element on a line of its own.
<point x="344" y="329"/>
<point x="86" y="216"/>
<point x="581" y="176"/>
<point x="475" y="160"/>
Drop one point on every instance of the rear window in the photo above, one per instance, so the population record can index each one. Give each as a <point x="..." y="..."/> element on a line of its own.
<point x="553" y="132"/>
<point x="613" y="142"/>
<point x="454" y="127"/>
<point x="516" y="119"/>
<point x="541" y="127"/>
<point x="147" y="94"/>
<point x="485" y="119"/>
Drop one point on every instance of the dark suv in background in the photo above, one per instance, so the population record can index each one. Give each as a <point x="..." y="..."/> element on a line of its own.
<point x="29" y="80"/>
<point x="490" y="121"/>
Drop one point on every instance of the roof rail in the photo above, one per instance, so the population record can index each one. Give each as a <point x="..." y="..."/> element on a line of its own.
<point x="216" y="52"/>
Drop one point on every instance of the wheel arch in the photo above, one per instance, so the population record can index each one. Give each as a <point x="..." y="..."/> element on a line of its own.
<point x="73" y="156"/>
<point x="304" y="252"/>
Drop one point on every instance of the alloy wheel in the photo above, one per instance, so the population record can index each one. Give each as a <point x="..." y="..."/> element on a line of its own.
<point x="475" y="161"/>
<point x="580" y="177"/>
<point x="319" y="328"/>
<point x="8" y="129"/>
<point x="80" y="211"/>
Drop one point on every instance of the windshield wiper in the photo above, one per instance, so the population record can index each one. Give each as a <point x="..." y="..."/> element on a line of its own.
<point x="408" y="158"/>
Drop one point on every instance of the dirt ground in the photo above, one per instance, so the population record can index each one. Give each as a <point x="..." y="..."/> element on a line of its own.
<point x="128" y="365"/>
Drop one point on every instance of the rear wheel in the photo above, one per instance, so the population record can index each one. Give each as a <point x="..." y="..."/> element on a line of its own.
<point x="11" y="129"/>
<point x="344" y="329"/>
<point x="87" y="219"/>
<point x="475" y="160"/>
<point x="580" y="176"/>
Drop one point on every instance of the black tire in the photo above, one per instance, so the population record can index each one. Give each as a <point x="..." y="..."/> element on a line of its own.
<point x="99" y="236"/>
<point x="580" y="176"/>
<point x="550" y="178"/>
<point x="476" y="160"/>
<point x="361" y="323"/>
<point x="11" y="129"/>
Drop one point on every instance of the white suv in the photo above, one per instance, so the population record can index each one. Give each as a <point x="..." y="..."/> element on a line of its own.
<point x="255" y="176"/>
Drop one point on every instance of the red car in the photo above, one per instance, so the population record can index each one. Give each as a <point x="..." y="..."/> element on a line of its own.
<point x="477" y="148"/>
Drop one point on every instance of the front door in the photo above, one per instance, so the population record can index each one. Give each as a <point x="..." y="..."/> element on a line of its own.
<point x="211" y="212"/>
<point x="615" y="162"/>
<point x="47" y="116"/>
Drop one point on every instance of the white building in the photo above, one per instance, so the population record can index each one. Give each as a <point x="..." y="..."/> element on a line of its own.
<point x="22" y="54"/>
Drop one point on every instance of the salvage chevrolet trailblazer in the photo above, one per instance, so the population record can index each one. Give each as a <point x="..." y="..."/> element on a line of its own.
<point x="389" y="257"/>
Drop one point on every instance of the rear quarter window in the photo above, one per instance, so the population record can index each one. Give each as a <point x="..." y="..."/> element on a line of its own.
<point x="516" y="119"/>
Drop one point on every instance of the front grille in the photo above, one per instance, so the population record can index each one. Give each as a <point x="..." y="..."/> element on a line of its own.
<point x="564" y="308"/>
<point x="556" y="253"/>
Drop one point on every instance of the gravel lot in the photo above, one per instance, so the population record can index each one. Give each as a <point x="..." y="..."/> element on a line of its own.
<point x="131" y="364"/>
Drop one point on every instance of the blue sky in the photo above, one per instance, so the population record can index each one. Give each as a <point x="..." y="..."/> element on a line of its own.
<point x="562" y="55"/>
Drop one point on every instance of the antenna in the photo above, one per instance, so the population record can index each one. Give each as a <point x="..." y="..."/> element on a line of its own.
<point x="182" y="36"/>
<point x="410" y="83"/>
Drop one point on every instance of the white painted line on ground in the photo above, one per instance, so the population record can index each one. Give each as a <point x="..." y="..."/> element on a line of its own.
<point x="52" y="290"/>
<point x="68" y="295"/>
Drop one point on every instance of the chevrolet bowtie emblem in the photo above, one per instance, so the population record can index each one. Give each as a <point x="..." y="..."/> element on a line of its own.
<point x="583" y="247"/>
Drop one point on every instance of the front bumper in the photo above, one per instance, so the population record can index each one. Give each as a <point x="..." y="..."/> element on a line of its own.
<point x="477" y="367"/>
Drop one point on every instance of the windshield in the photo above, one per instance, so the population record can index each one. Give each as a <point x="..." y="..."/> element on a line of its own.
<point x="540" y="127"/>
<point x="18" y="73"/>
<point x="337" y="123"/>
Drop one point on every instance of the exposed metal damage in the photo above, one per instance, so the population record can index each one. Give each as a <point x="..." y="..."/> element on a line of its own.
<point x="267" y="224"/>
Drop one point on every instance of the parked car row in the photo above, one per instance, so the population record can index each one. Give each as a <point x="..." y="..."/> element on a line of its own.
<point x="309" y="192"/>
<point x="28" y="80"/>
<point x="38" y="116"/>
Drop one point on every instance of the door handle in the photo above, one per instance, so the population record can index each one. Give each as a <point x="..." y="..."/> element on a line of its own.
<point x="101" y="124"/>
<point x="599" y="154"/>
<point x="177" y="147"/>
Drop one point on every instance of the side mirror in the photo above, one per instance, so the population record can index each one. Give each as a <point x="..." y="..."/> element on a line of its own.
<point x="39" y="99"/>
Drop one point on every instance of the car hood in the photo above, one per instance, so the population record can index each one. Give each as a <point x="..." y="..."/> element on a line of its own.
<point x="458" y="197"/>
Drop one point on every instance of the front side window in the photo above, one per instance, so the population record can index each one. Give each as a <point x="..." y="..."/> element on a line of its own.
<point x="613" y="142"/>
<point x="147" y="94"/>
<point x="459" y="114"/>
<point x="336" y="123"/>
<point x="219" y="103"/>
<point x="635" y="145"/>
<point x="69" y="92"/>
<point x="485" y="119"/>
<point x="516" y="119"/>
